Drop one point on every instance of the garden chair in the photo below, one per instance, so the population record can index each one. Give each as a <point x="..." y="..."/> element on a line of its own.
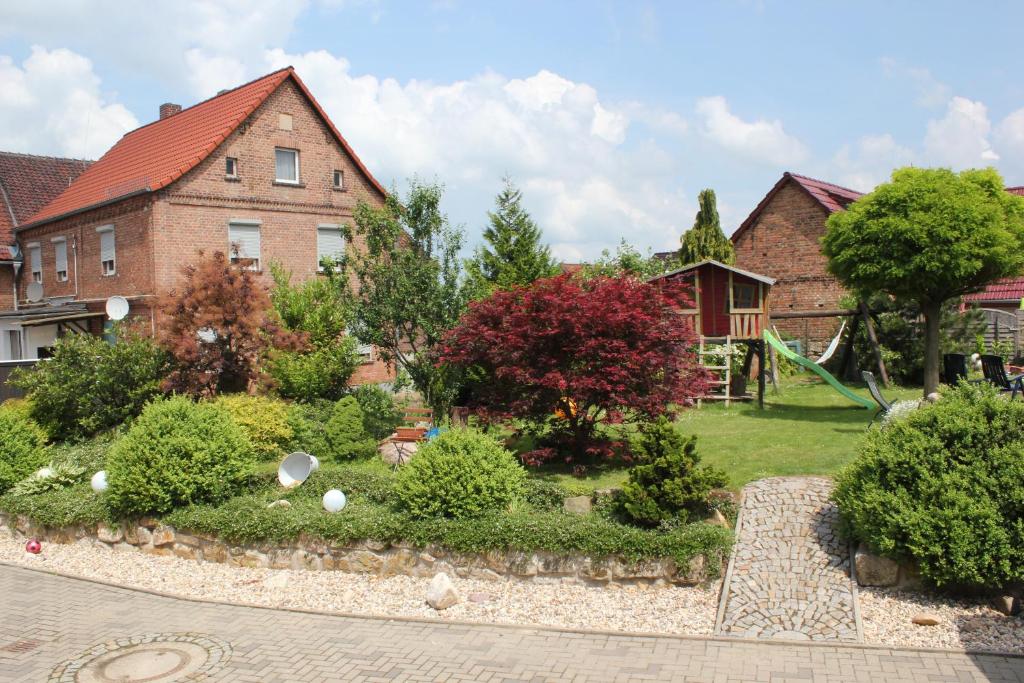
<point x="883" y="405"/>
<point x="416" y="422"/>
<point x="995" y="373"/>
<point x="954" y="368"/>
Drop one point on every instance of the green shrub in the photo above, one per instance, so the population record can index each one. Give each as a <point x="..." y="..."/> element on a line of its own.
<point x="60" y="508"/>
<point x="944" y="487"/>
<point x="61" y="476"/>
<point x="380" y="414"/>
<point x="544" y="495"/>
<point x="263" y="420"/>
<point x="307" y="421"/>
<point x="90" y="385"/>
<point x="460" y="473"/>
<point x="22" y="446"/>
<point x="667" y="483"/>
<point x="346" y="437"/>
<point x="322" y="372"/>
<point x="177" y="453"/>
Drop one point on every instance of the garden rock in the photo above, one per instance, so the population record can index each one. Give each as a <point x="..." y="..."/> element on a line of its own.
<point x="281" y="503"/>
<point x="109" y="534"/>
<point x="1007" y="604"/>
<point x="579" y="505"/>
<point x="277" y="581"/>
<point x="873" y="570"/>
<point x="716" y="518"/>
<point x="441" y="594"/>
<point x="926" y="619"/>
<point x="163" y="535"/>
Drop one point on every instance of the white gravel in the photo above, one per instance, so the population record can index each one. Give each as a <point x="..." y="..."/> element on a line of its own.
<point x="628" y="609"/>
<point x="967" y="624"/>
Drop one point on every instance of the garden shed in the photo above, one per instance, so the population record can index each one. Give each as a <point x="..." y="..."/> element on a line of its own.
<point x="729" y="305"/>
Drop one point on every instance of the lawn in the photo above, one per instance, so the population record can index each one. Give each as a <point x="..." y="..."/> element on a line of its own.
<point x="808" y="428"/>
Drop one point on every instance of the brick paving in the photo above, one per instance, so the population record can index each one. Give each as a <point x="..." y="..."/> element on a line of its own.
<point x="790" y="573"/>
<point x="49" y="622"/>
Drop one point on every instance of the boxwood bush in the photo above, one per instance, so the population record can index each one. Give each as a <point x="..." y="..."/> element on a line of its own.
<point x="346" y="436"/>
<point x="22" y="444"/>
<point x="177" y="453"/>
<point x="461" y="473"/>
<point x="380" y="414"/>
<point x="944" y="487"/>
<point x="263" y="420"/>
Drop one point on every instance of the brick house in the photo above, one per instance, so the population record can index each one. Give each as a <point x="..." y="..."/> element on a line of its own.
<point x="259" y="172"/>
<point x="782" y="238"/>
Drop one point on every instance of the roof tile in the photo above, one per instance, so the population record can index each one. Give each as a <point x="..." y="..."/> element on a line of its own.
<point x="27" y="183"/>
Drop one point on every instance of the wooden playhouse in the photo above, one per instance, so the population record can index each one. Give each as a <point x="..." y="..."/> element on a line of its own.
<point x="729" y="307"/>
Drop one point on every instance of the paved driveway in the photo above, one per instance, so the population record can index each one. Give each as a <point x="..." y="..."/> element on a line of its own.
<point x="62" y="629"/>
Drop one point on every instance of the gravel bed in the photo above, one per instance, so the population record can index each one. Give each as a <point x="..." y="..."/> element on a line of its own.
<point x="967" y="624"/>
<point x="629" y="609"/>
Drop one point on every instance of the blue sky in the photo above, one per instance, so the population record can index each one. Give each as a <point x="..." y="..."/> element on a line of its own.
<point x="611" y="116"/>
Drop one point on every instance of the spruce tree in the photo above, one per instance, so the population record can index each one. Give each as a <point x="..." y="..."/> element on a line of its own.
<point x="513" y="253"/>
<point x="705" y="240"/>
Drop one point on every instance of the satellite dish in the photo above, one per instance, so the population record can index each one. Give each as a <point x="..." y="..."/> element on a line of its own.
<point x="117" y="307"/>
<point x="34" y="292"/>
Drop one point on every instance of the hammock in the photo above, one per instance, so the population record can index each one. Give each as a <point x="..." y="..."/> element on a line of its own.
<point x="832" y="346"/>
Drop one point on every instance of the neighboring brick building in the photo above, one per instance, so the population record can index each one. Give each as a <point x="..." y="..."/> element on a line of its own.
<point x="259" y="167"/>
<point x="781" y="238"/>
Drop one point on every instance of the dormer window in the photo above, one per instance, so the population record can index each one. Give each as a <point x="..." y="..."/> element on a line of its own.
<point x="231" y="167"/>
<point x="286" y="165"/>
<point x="339" y="180"/>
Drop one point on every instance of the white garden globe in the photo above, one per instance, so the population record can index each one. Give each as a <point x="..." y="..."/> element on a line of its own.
<point x="99" y="482"/>
<point x="334" y="500"/>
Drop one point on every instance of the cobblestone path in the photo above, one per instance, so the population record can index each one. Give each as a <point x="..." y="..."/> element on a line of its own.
<point x="60" y="629"/>
<point x="789" y="574"/>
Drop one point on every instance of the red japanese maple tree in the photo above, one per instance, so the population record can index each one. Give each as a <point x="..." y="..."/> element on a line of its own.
<point x="568" y="354"/>
<point x="219" y="328"/>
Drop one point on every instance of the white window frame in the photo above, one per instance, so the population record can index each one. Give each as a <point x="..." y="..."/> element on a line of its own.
<point x="364" y="351"/>
<point x="231" y="167"/>
<point x="338" y="179"/>
<point x="104" y="271"/>
<point x="60" y="244"/>
<point x="257" y="263"/>
<point x="319" y="255"/>
<point x="35" y="261"/>
<point x="295" y="155"/>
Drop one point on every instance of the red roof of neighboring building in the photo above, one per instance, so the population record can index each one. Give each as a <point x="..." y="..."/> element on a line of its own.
<point x="157" y="154"/>
<point x="831" y="197"/>
<point x="27" y="183"/>
<point x="1009" y="289"/>
<point x="1016" y="190"/>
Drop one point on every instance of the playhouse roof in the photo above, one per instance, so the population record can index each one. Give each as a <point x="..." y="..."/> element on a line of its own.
<point x="694" y="266"/>
<point x="157" y="154"/>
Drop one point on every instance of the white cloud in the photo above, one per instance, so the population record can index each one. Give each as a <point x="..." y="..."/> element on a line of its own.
<point x="869" y="161"/>
<point x="52" y="104"/>
<point x="584" y="178"/>
<point x="760" y="140"/>
<point x="931" y="92"/>
<point x="961" y="138"/>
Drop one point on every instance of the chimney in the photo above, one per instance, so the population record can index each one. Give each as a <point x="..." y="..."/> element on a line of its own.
<point x="167" y="110"/>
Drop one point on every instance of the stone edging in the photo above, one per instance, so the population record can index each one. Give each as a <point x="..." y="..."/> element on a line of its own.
<point x="369" y="557"/>
<point x="819" y="644"/>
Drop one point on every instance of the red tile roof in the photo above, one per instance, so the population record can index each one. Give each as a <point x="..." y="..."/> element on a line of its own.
<point x="1009" y="289"/>
<point x="27" y="183"/>
<point x="157" y="154"/>
<point x="831" y="197"/>
<point x="1016" y="190"/>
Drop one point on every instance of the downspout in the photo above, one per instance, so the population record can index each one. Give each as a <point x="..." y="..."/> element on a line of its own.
<point x="16" y="266"/>
<point x="74" y="253"/>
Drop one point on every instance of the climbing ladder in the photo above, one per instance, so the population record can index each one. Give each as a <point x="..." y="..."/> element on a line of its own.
<point x="723" y="373"/>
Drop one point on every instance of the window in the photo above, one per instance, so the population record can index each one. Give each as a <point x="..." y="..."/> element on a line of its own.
<point x="330" y="244"/>
<point x="35" y="257"/>
<point x="60" y="258"/>
<point x="744" y="296"/>
<point x="14" y="341"/>
<point x="231" y="167"/>
<point x="339" y="180"/>
<point x="108" y="256"/>
<point x="286" y="164"/>
<point x="244" y="243"/>
<point x="365" y="351"/>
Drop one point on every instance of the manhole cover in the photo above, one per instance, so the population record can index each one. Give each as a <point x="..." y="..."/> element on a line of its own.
<point x="152" y="658"/>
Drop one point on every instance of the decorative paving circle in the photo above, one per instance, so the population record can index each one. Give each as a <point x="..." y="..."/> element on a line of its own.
<point x="150" y="658"/>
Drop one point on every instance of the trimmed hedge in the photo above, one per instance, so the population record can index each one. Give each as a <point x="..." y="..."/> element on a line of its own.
<point x="944" y="487"/>
<point x="264" y="421"/>
<point x="22" y="444"/>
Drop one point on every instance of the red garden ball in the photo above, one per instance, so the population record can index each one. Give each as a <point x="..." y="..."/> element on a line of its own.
<point x="33" y="546"/>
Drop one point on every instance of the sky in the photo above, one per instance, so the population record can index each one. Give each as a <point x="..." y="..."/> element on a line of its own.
<point x="610" y="116"/>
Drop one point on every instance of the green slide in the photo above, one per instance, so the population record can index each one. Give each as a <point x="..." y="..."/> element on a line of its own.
<point x="817" y="369"/>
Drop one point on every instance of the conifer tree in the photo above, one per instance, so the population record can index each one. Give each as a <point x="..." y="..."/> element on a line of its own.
<point x="513" y="254"/>
<point x="705" y="240"/>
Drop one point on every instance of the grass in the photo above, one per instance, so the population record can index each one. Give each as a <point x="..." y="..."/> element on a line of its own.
<point x="808" y="428"/>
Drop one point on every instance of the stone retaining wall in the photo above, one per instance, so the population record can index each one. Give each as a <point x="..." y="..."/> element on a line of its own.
<point x="368" y="557"/>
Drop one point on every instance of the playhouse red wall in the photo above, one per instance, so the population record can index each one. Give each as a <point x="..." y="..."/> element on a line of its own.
<point x="714" y="301"/>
